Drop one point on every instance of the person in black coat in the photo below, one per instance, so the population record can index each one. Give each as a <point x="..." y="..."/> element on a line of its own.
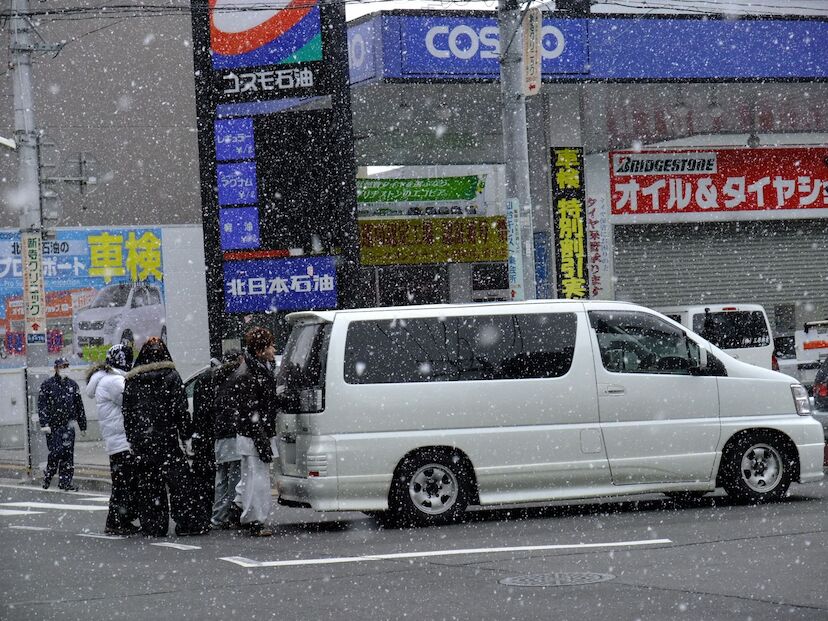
<point x="59" y="403"/>
<point x="226" y="512"/>
<point x="208" y="446"/>
<point x="156" y="419"/>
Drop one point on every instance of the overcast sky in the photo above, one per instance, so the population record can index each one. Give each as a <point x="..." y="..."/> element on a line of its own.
<point x="740" y="7"/>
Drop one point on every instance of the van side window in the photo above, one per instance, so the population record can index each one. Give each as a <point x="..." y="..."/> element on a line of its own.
<point x="468" y="348"/>
<point x="633" y="342"/>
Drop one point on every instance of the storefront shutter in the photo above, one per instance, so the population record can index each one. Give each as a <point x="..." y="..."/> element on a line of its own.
<point x="773" y="262"/>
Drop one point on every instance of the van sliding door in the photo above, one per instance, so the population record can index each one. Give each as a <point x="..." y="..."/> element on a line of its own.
<point x="659" y="421"/>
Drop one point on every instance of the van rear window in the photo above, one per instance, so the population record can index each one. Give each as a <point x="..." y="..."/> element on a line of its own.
<point x="733" y="329"/>
<point x="303" y="362"/>
<point x="468" y="348"/>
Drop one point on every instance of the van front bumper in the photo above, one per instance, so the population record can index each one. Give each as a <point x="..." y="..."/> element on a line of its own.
<point x="319" y="493"/>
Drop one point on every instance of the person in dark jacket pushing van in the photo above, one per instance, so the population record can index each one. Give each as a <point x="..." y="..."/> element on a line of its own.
<point x="59" y="403"/>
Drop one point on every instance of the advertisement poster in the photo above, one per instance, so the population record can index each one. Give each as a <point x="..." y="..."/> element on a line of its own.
<point x="428" y="196"/>
<point x="102" y="286"/>
<point x="716" y="181"/>
<point x="569" y="214"/>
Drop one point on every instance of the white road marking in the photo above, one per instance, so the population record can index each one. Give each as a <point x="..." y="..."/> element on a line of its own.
<point x="177" y="546"/>
<point x="20" y="527"/>
<point x="50" y="505"/>
<point x="94" y="536"/>
<point x="18" y="512"/>
<point x="96" y="499"/>
<point x="248" y="563"/>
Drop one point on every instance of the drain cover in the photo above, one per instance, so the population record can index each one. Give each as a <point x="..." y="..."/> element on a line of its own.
<point x="558" y="578"/>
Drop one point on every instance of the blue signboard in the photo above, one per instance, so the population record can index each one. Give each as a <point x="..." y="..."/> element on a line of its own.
<point x="417" y="47"/>
<point x="707" y="49"/>
<point x="234" y="139"/>
<point x="239" y="228"/>
<point x="469" y="46"/>
<point x="279" y="284"/>
<point x="237" y="184"/>
<point x="361" y="52"/>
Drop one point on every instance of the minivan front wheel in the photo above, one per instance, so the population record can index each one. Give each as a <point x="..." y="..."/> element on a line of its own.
<point x="430" y="488"/>
<point x="756" y="469"/>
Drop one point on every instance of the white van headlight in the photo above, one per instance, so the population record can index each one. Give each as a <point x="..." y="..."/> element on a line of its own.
<point x="801" y="400"/>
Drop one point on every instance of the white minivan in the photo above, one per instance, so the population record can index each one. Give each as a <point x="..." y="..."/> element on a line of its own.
<point x="416" y="412"/>
<point x="741" y="330"/>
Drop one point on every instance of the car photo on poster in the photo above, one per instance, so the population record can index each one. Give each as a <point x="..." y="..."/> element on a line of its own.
<point x="124" y="312"/>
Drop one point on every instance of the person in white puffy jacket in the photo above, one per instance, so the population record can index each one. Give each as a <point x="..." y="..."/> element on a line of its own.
<point x="105" y="383"/>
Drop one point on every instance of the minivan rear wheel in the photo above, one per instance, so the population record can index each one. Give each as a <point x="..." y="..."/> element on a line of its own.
<point x="756" y="469"/>
<point x="430" y="488"/>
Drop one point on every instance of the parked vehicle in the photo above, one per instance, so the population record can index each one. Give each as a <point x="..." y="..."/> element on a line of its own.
<point x="120" y="313"/>
<point x="811" y="348"/>
<point x="741" y="330"/>
<point x="821" y="387"/>
<point x="421" y="411"/>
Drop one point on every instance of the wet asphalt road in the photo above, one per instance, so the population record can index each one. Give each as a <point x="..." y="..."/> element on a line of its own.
<point x="709" y="559"/>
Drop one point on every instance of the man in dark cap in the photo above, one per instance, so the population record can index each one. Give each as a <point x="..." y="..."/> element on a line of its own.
<point x="59" y="404"/>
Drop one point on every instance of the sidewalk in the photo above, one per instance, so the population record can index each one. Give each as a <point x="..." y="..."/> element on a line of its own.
<point x="91" y="467"/>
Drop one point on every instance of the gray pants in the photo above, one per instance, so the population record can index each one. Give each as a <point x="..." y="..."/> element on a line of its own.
<point x="228" y="475"/>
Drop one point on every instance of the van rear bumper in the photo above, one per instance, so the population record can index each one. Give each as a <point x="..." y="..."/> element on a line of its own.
<point x="319" y="493"/>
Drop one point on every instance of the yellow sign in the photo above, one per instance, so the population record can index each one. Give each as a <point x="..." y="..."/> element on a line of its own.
<point x="433" y="240"/>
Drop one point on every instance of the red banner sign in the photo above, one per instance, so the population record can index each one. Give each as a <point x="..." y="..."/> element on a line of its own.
<point x="718" y="180"/>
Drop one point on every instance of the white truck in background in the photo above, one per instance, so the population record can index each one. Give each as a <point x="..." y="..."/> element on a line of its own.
<point x="740" y="330"/>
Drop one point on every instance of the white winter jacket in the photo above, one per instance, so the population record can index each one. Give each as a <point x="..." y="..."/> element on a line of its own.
<point x="107" y="388"/>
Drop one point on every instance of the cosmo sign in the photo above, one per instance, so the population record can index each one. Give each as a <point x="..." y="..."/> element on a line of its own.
<point x="471" y="45"/>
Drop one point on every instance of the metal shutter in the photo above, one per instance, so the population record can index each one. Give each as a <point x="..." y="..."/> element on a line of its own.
<point x="763" y="262"/>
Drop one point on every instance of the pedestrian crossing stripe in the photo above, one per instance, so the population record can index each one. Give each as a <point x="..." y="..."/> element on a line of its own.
<point x="51" y="505"/>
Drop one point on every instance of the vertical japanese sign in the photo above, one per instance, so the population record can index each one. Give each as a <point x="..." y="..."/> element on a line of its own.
<point x="34" y="291"/>
<point x="532" y="48"/>
<point x="569" y="215"/>
<point x="514" y="260"/>
<point x="97" y="287"/>
<point x="276" y="156"/>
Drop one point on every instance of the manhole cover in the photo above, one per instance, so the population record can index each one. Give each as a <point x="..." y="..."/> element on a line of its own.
<point x="558" y="578"/>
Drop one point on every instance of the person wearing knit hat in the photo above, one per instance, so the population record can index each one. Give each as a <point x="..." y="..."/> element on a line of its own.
<point x="105" y="384"/>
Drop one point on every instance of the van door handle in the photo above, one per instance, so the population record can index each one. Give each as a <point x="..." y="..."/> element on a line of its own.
<point x="612" y="389"/>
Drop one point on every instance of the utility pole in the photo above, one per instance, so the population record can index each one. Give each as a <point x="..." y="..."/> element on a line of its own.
<point x="28" y="188"/>
<point x="515" y="151"/>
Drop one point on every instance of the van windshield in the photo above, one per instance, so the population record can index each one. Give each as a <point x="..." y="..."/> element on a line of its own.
<point x="733" y="329"/>
<point x="303" y="362"/>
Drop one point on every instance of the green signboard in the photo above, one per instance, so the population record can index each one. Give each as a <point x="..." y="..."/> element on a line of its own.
<point x="464" y="188"/>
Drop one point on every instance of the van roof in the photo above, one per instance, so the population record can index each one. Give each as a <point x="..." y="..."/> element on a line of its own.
<point x="432" y="309"/>
<point x="714" y="308"/>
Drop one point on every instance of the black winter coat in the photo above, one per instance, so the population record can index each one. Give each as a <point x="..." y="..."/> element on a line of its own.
<point x="58" y="402"/>
<point x="250" y="394"/>
<point x="225" y="408"/>
<point x="155" y="410"/>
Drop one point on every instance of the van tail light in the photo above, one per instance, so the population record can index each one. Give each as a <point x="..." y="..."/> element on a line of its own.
<point x="774" y="362"/>
<point x="801" y="400"/>
<point x="821" y="390"/>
